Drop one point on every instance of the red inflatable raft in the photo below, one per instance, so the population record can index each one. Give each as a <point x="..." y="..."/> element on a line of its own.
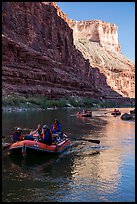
<point x="26" y="147"/>
<point x="116" y="112"/>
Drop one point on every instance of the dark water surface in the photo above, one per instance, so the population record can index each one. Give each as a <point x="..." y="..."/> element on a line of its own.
<point x="86" y="172"/>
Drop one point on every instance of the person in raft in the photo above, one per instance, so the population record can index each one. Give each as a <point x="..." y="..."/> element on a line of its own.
<point x="36" y="134"/>
<point x="17" y="135"/>
<point x="56" y="126"/>
<point x="46" y="135"/>
<point x="38" y="131"/>
<point x="57" y="134"/>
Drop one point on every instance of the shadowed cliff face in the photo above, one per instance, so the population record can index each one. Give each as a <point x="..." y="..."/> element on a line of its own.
<point x="38" y="53"/>
<point x="39" y="56"/>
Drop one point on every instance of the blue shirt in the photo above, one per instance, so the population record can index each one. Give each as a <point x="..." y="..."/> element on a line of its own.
<point x="47" y="137"/>
<point x="58" y="128"/>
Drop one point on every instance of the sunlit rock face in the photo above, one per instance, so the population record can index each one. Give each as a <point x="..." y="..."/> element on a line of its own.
<point x="96" y="31"/>
<point x="44" y="52"/>
<point x="98" y="42"/>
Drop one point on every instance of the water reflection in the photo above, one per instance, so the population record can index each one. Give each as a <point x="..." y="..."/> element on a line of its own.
<point x="106" y="167"/>
<point x="85" y="172"/>
<point x="41" y="174"/>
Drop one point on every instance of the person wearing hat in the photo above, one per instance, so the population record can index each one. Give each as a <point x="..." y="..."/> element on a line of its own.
<point x="17" y="135"/>
<point x="46" y="135"/>
<point x="56" y="126"/>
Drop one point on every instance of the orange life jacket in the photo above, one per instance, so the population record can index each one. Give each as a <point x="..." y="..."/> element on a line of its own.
<point x="21" y="137"/>
<point x="55" y="127"/>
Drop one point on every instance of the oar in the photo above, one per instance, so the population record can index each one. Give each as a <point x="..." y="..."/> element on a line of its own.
<point x="88" y="140"/>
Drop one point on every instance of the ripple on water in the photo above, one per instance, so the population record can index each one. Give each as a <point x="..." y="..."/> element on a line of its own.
<point x="86" y="172"/>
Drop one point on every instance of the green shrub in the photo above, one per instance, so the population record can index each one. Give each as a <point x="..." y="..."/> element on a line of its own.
<point x="44" y="102"/>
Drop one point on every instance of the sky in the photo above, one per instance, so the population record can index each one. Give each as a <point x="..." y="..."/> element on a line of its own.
<point x="120" y="13"/>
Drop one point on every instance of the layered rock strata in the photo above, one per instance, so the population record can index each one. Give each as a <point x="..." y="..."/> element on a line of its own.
<point x="39" y="56"/>
<point x="98" y="42"/>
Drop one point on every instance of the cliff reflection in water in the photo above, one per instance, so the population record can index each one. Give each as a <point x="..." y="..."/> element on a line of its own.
<point x="104" y="170"/>
<point x="85" y="172"/>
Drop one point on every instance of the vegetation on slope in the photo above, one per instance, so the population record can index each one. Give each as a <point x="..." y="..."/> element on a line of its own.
<point x="41" y="102"/>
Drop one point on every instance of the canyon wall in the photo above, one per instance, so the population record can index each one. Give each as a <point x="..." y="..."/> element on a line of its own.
<point x="39" y="55"/>
<point x="98" y="41"/>
<point x="96" y="31"/>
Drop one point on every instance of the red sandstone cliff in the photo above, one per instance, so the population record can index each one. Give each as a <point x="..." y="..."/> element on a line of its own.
<point x="38" y="53"/>
<point x="39" y="56"/>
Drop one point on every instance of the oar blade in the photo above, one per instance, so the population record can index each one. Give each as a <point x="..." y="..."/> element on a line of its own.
<point x="95" y="141"/>
<point x="89" y="140"/>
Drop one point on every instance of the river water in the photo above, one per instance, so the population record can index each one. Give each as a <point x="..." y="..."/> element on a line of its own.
<point x="86" y="172"/>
